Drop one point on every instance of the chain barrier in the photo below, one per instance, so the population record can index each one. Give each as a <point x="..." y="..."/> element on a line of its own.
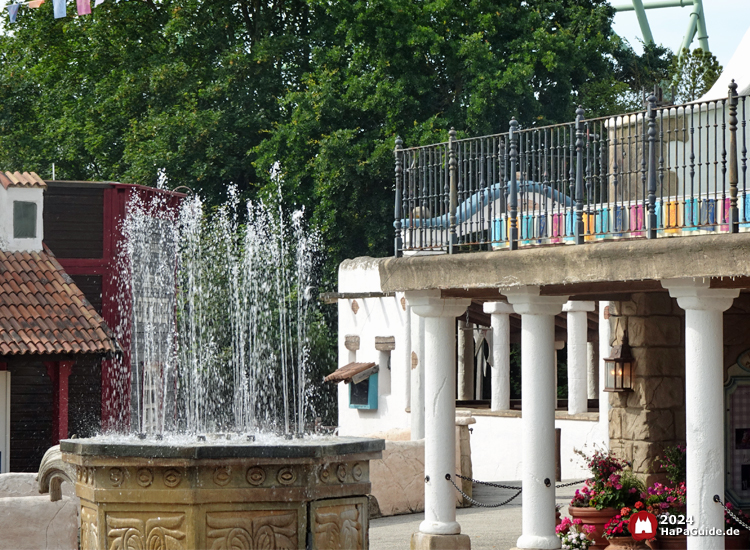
<point x="499" y="486"/>
<point x="570" y="483"/>
<point x="482" y="504"/>
<point x="717" y="498"/>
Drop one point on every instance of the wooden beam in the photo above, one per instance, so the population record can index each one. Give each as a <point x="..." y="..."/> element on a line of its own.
<point x="333" y="297"/>
<point x="608" y="287"/>
<point x="489" y="294"/>
<point x="730" y="282"/>
<point x="607" y="291"/>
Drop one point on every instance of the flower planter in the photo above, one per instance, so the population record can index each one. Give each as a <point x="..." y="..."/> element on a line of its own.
<point x="597" y="519"/>
<point x="737" y="542"/>
<point x="626" y="543"/>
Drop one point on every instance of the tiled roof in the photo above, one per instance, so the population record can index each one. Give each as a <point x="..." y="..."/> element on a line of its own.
<point x="43" y="312"/>
<point x="17" y="179"/>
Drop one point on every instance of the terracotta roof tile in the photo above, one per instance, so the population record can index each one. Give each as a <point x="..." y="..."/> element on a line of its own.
<point x="17" y="179"/>
<point x="347" y="372"/>
<point x="42" y="311"/>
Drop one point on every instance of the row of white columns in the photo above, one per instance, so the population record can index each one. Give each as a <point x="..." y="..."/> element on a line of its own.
<point x="433" y="389"/>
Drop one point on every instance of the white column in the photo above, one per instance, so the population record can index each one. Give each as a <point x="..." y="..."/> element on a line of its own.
<point x="604" y="349"/>
<point x="440" y="413"/>
<point x="704" y="401"/>
<point x="577" y="355"/>
<point x="500" y="315"/>
<point x="592" y="370"/>
<point x="417" y="376"/>
<point x="465" y="361"/>
<point x="406" y="351"/>
<point x="538" y="414"/>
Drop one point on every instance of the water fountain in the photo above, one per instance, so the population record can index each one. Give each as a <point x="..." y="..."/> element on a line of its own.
<point x="219" y="455"/>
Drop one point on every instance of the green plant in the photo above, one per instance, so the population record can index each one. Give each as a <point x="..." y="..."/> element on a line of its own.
<point x="661" y="499"/>
<point x="674" y="463"/>
<point x="613" y="484"/>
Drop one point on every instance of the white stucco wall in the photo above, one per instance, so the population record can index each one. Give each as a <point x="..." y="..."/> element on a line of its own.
<point x="7" y="198"/>
<point x="496" y="443"/>
<point x="496" y="440"/>
<point x="374" y="317"/>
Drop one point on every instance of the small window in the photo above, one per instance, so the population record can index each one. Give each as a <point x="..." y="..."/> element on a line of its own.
<point x="24" y="220"/>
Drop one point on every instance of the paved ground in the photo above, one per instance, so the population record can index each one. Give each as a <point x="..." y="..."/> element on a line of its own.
<point x="489" y="528"/>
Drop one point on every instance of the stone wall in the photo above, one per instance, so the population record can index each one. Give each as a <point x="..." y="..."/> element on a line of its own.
<point x="398" y="478"/>
<point x="29" y="520"/>
<point x="651" y="417"/>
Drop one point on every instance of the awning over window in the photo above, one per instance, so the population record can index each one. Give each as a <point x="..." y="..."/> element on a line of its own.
<point x="353" y="372"/>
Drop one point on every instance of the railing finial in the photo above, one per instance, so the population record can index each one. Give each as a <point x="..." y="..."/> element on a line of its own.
<point x="513" y="194"/>
<point x="453" y="194"/>
<point x="651" y="113"/>
<point x="734" y="213"/>
<point x="579" y="229"/>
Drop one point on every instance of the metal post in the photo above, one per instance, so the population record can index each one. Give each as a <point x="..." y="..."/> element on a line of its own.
<point x="453" y="204"/>
<point x="398" y="243"/>
<point x="579" y="228"/>
<point x="513" y="237"/>
<point x="651" y="166"/>
<point x="734" y="212"/>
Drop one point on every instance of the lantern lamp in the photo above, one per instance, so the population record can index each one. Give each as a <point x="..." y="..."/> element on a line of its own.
<point x="619" y="368"/>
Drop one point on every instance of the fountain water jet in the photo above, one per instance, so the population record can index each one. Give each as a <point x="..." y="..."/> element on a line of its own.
<point x="220" y="307"/>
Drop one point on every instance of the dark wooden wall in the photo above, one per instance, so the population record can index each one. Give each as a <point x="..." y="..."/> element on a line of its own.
<point x="74" y="220"/>
<point x="30" y="413"/>
<point x="31" y="397"/>
<point x="85" y="398"/>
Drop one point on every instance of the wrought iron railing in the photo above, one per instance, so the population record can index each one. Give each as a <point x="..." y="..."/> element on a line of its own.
<point x="666" y="171"/>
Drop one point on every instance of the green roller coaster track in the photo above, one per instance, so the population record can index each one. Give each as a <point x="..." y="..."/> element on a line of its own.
<point x="696" y="28"/>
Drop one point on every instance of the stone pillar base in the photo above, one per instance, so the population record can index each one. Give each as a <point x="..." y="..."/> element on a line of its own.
<point x="425" y="541"/>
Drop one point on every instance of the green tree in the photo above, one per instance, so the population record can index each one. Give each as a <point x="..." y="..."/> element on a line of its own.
<point x="385" y="67"/>
<point x="633" y="78"/>
<point x="185" y="85"/>
<point x="693" y="73"/>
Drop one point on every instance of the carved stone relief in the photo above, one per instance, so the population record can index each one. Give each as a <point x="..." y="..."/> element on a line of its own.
<point x="222" y="475"/>
<point x="145" y="477"/>
<point x="325" y="474"/>
<point x="338" y="527"/>
<point x="341" y="472"/>
<point x="251" y="530"/>
<point x="172" y="477"/>
<point x="255" y="476"/>
<point x="357" y="472"/>
<point x="116" y="476"/>
<point x="89" y="529"/>
<point x="163" y="532"/>
<point x="85" y="475"/>
<point x="286" y="476"/>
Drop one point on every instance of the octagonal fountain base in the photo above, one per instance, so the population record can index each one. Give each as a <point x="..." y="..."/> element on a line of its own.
<point x="310" y="493"/>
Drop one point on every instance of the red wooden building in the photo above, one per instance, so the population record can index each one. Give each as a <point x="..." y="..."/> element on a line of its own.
<point x="62" y="369"/>
<point x="83" y="227"/>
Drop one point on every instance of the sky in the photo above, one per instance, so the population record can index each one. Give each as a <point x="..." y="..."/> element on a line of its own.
<point x="726" y="23"/>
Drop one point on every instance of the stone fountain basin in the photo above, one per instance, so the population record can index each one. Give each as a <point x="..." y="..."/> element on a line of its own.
<point x="223" y="494"/>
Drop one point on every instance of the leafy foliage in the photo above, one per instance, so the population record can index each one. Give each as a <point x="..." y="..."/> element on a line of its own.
<point x="321" y="87"/>
<point x="674" y="463"/>
<point x="693" y="73"/>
